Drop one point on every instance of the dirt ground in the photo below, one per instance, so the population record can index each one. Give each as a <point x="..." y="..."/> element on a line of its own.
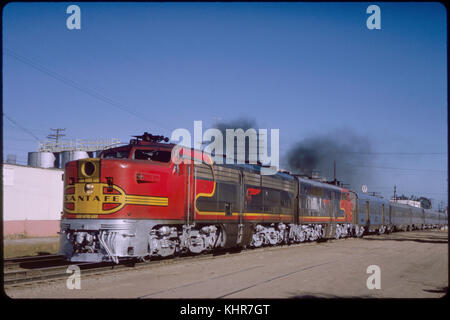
<point x="30" y="246"/>
<point x="409" y="265"/>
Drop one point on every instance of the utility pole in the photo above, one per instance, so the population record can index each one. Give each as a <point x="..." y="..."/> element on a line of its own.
<point x="56" y="135"/>
<point x="395" y="193"/>
<point x="334" y="180"/>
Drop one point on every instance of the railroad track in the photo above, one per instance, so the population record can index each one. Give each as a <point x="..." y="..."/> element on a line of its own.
<point x="40" y="269"/>
<point x="23" y="276"/>
<point x="20" y="262"/>
<point x="31" y="272"/>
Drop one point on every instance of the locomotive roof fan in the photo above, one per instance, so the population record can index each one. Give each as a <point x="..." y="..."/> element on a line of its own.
<point x="147" y="137"/>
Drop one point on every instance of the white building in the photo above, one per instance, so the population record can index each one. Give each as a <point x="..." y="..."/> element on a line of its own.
<point x="32" y="200"/>
<point x="408" y="202"/>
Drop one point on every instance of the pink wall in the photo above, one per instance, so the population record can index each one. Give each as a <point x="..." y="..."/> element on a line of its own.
<point x="32" y="228"/>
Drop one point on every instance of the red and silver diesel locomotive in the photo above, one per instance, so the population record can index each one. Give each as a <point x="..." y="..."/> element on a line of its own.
<point x="151" y="198"/>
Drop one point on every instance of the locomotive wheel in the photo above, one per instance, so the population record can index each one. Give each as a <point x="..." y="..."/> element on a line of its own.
<point x="337" y="233"/>
<point x="257" y="241"/>
<point x="359" y="231"/>
<point x="302" y="236"/>
<point x="323" y="233"/>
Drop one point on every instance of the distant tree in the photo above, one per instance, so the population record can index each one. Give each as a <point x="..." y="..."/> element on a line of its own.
<point x="425" y="203"/>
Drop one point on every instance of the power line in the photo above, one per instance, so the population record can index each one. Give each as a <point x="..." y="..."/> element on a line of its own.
<point x="14" y="139"/>
<point x="93" y="93"/>
<point x="380" y="153"/>
<point x="407" y="191"/>
<point x="391" y="168"/>
<point x="18" y="125"/>
<point x="396" y="153"/>
<point x="386" y="168"/>
<point x="31" y="129"/>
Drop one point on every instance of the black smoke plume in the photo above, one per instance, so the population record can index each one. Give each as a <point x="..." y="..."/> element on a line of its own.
<point x="240" y="123"/>
<point x="352" y="152"/>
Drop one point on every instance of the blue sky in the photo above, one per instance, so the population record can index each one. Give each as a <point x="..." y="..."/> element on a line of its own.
<point x="304" y="68"/>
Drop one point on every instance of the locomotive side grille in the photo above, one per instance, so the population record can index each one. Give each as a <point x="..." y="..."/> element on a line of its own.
<point x="252" y="180"/>
<point x="227" y="177"/>
<point x="274" y="183"/>
<point x="115" y="226"/>
<point x="226" y="174"/>
<point x="204" y="171"/>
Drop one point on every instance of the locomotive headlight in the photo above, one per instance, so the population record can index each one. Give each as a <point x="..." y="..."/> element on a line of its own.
<point x="89" y="188"/>
<point x="88" y="168"/>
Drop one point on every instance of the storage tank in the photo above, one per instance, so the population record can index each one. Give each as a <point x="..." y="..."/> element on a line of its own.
<point x="67" y="156"/>
<point x="41" y="159"/>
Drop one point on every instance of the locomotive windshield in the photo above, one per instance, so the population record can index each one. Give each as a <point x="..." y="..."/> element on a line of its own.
<point x="138" y="154"/>
<point x="116" y="154"/>
<point x="154" y="155"/>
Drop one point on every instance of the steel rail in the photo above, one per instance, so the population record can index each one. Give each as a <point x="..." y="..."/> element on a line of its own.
<point x="38" y="275"/>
